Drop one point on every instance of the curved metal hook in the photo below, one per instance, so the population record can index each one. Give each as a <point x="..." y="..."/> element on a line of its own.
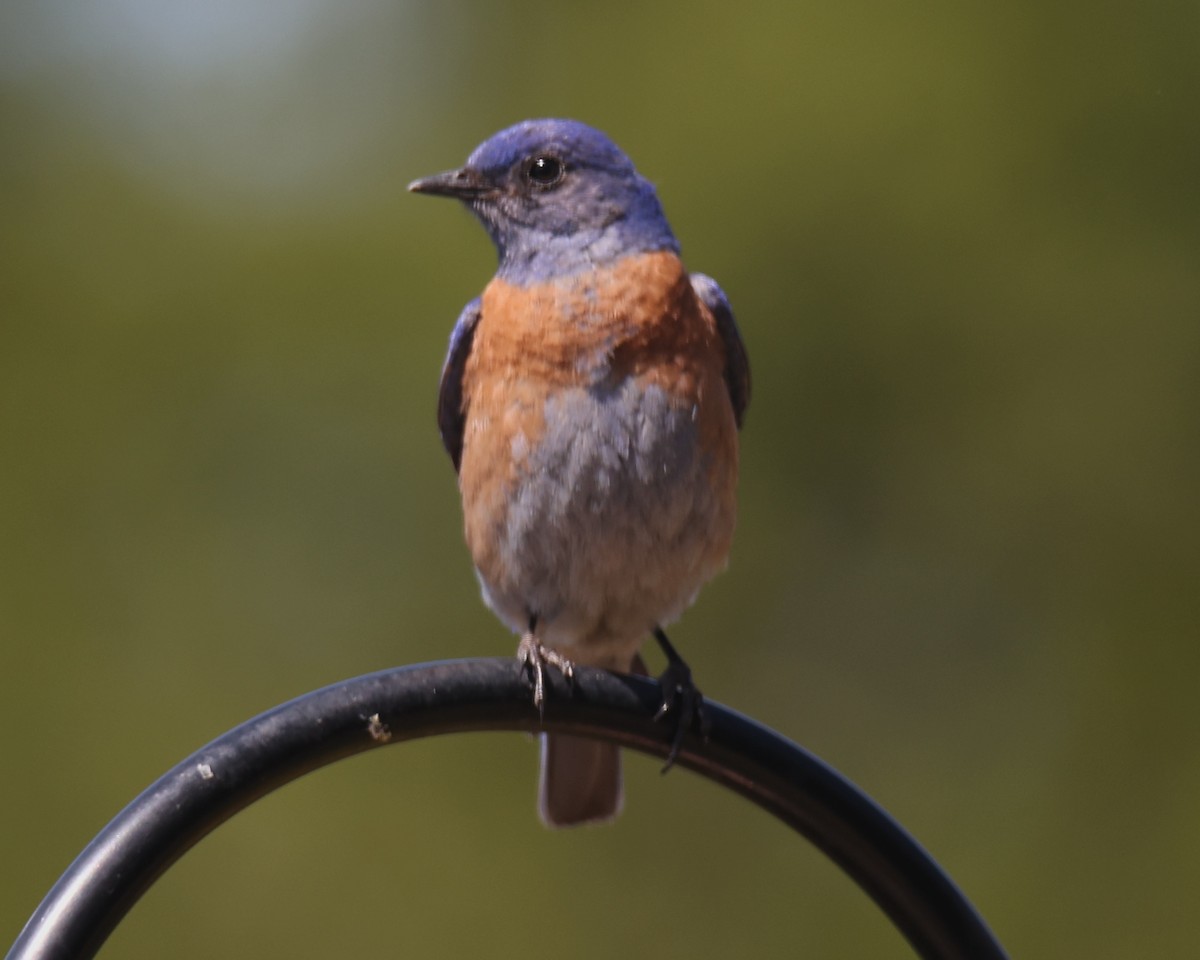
<point x="189" y="801"/>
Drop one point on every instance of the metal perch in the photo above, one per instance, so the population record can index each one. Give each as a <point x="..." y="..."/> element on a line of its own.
<point x="407" y="703"/>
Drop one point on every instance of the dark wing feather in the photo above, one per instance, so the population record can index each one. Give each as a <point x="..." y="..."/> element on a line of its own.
<point x="737" y="364"/>
<point x="451" y="414"/>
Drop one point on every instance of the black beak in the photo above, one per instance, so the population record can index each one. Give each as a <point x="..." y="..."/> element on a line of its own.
<point x="464" y="184"/>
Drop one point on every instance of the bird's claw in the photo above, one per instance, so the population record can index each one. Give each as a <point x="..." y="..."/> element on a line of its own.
<point x="680" y="697"/>
<point x="533" y="656"/>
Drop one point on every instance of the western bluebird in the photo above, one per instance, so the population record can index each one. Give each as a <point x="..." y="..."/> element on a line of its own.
<point x="590" y="402"/>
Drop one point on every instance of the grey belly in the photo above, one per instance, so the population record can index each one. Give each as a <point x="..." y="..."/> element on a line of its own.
<point x="607" y="533"/>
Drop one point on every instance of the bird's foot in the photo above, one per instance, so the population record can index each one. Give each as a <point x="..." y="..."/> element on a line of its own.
<point x="680" y="697"/>
<point x="533" y="656"/>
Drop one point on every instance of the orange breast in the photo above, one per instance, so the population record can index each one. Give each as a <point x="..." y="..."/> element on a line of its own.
<point x="637" y="318"/>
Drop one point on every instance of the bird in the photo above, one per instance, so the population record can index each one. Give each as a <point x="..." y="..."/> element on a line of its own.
<point x="590" y="401"/>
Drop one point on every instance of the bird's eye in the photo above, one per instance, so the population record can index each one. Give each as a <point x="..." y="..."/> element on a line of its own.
<point x="545" y="171"/>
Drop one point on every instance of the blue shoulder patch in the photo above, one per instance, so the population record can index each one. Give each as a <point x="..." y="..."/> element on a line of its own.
<point x="452" y="418"/>
<point x="737" y="363"/>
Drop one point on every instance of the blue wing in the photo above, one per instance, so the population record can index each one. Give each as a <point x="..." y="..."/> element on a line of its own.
<point x="737" y="364"/>
<point x="452" y="416"/>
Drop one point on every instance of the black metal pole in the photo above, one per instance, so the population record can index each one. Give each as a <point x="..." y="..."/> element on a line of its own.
<point x="407" y="703"/>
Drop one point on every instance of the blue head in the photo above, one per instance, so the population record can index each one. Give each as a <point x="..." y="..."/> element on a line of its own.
<point x="557" y="197"/>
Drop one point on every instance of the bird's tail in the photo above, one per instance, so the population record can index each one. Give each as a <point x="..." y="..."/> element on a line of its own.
<point x="580" y="781"/>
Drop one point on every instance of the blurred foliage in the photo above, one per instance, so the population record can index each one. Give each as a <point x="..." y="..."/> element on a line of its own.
<point x="963" y="244"/>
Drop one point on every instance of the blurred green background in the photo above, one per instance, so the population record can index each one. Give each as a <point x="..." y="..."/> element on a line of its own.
<point x="963" y="245"/>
